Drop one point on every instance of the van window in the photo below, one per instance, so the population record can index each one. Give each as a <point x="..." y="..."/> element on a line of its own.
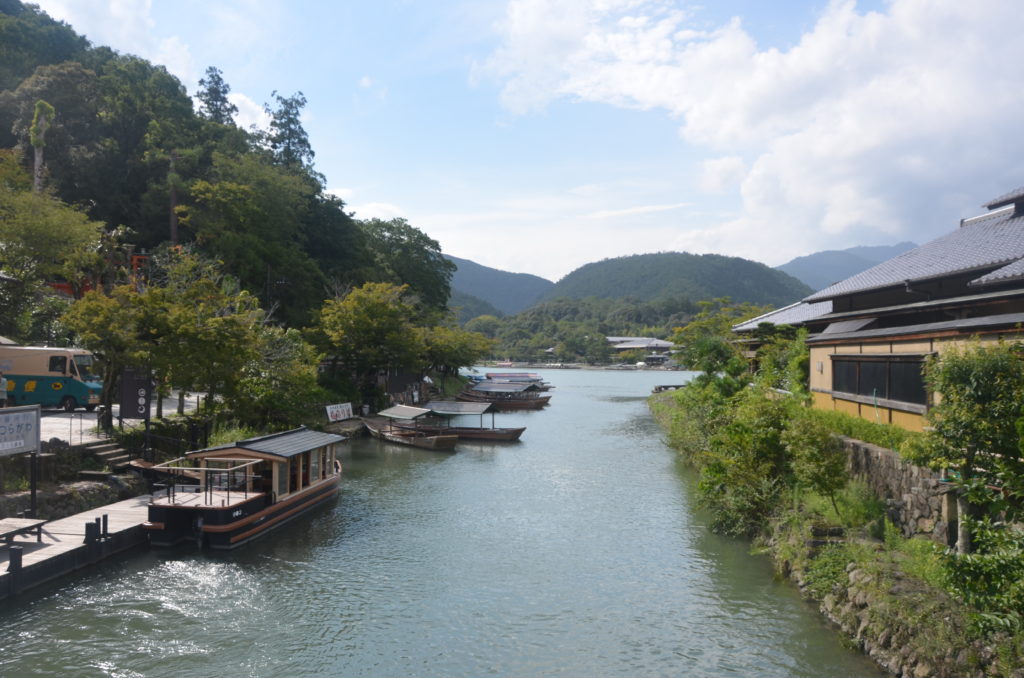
<point x="59" y="363"/>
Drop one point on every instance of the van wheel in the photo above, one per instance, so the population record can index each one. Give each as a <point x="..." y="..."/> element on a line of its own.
<point x="68" y="404"/>
<point x="90" y="408"/>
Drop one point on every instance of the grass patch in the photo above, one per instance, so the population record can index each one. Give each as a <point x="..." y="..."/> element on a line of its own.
<point x="883" y="435"/>
<point x="919" y="558"/>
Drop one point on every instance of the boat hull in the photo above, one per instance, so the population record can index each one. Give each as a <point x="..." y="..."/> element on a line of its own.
<point x="473" y="433"/>
<point x="507" y="403"/>
<point x="228" y="527"/>
<point x="410" y="437"/>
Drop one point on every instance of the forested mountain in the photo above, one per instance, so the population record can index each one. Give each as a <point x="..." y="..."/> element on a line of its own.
<point x="821" y="269"/>
<point x="119" y="139"/>
<point x="507" y="292"/>
<point x="680" y="274"/>
<point x="467" y="307"/>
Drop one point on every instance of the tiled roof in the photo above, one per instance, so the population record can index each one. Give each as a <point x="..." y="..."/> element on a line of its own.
<point x="1013" y="196"/>
<point x="284" y="444"/>
<point x="980" y="243"/>
<point x="1014" y="271"/>
<point x="965" y="325"/>
<point x="794" y="314"/>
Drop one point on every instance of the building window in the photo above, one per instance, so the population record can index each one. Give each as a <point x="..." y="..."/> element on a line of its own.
<point x="883" y="376"/>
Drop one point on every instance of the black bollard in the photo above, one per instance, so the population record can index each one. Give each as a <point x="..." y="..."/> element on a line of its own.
<point x="92" y="532"/>
<point x="14" y="559"/>
<point x="106" y="531"/>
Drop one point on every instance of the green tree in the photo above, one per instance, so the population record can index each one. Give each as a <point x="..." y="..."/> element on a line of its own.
<point x="974" y="429"/>
<point x="371" y="330"/>
<point x="818" y="458"/>
<point x="213" y="97"/>
<point x="707" y="344"/>
<point x="449" y="348"/>
<point x="405" y="255"/>
<point x="288" y="138"/>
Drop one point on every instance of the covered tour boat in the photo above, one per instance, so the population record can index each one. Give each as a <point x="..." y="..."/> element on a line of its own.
<point x="400" y="424"/>
<point x="222" y="497"/>
<point x="505" y="395"/>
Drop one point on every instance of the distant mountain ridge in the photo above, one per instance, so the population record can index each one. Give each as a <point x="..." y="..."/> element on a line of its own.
<point x="667" y="274"/>
<point x="821" y="269"/>
<point x="505" y="291"/>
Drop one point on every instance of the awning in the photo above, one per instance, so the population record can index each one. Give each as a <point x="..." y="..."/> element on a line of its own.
<point x="403" y="412"/>
<point x="450" y="408"/>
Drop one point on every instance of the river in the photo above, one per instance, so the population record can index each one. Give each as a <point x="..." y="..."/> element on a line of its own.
<point x="575" y="552"/>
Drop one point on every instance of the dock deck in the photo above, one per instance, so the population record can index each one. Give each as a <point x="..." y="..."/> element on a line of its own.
<point x="63" y="547"/>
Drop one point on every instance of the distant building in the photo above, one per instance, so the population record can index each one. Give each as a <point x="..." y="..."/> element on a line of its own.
<point x="870" y="334"/>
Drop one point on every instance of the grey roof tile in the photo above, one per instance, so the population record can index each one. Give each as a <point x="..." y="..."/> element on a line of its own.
<point x="289" y="443"/>
<point x="1014" y="271"/>
<point x="1005" y="199"/>
<point x="794" y="314"/>
<point x="987" y="241"/>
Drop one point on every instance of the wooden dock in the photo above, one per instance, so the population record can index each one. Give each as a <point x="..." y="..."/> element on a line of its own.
<point x="72" y="543"/>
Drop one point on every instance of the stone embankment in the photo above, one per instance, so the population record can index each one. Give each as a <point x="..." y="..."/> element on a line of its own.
<point x="69" y="499"/>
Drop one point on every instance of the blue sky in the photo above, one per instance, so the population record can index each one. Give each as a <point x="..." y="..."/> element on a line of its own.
<point x="539" y="135"/>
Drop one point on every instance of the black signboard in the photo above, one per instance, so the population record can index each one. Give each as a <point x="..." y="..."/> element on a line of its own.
<point x="136" y="393"/>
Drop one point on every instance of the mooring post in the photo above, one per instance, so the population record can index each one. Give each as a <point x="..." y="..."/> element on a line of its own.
<point x="92" y="532"/>
<point x="106" y="532"/>
<point x="14" y="559"/>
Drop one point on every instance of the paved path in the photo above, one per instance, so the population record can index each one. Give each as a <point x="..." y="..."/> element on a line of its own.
<point x="79" y="427"/>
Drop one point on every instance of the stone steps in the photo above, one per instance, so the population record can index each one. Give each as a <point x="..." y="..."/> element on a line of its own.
<point x="109" y="453"/>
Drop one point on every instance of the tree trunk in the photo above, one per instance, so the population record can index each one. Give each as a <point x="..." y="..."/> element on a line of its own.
<point x="963" y="533"/>
<point x="37" y="173"/>
<point x="181" y="401"/>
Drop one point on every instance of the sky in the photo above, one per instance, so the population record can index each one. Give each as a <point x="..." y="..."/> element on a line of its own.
<point x="537" y="136"/>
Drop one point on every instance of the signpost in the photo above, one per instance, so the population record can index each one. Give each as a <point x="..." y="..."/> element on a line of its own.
<point x="136" y="393"/>
<point x="339" y="411"/>
<point x="19" y="433"/>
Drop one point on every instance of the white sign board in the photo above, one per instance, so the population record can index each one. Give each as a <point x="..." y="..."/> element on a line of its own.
<point x="19" y="430"/>
<point x="339" y="411"/>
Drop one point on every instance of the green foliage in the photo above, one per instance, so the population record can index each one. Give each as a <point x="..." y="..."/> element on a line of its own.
<point x="680" y="274"/>
<point x="921" y="558"/>
<point x="883" y="435"/>
<point x="232" y="431"/>
<point x="405" y="255"/>
<point x="991" y="578"/>
<point x="828" y="571"/>
<point x="818" y="458"/>
<point x="856" y="507"/>
<point x="746" y="468"/>
<point x="783" y="358"/>
<point x="213" y="97"/>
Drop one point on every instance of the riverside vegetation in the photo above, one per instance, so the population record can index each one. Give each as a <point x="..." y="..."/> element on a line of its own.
<point x="773" y="470"/>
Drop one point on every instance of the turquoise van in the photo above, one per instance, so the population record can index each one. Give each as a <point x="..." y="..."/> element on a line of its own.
<point x="50" y="377"/>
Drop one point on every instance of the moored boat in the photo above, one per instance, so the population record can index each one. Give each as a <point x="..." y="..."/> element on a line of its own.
<point x="225" y="496"/>
<point x="444" y="410"/>
<point x="505" y="395"/>
<point x="399" y="424"/>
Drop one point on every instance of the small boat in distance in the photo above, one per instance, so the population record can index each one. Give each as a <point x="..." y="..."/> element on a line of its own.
<point x="505" y="395"/>
<point x="444" y="410"/>
<point x="222" y="497"/>
<point x="399" y="424"/>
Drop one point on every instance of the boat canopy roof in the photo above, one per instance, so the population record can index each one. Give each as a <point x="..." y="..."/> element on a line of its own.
<point x="403" y="412"/>
<point x="504" y="387"/>
<point x="453" y="407"/>
<point x="513" y="375"/>
<point x="285" y="444"/>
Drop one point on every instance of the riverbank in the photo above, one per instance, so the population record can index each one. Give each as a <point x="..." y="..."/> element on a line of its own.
<point x="881" y="590"/>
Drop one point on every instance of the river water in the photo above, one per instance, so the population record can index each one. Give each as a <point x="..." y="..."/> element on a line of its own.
<point x="575" y="552"/>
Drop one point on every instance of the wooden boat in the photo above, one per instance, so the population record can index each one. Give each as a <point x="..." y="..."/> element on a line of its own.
<point x="505" y="396"/>
<point x="225" y="496"/>
<point x="444" y="410"/>
<point x="398" y="425"/>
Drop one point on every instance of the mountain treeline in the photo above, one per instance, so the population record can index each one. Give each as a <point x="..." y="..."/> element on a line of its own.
<point x="119" y="140"/>
<point x="574" y="330"/>
<point x="668" y="274"/>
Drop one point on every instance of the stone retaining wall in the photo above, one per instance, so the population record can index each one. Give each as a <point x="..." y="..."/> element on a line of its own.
<point x="915" y="497"/>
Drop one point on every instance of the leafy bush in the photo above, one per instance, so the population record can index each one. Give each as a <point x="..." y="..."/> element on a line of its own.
<point x="746" y="467"/>
<point x="883" y="435"/>
<point x="828" y="570"/>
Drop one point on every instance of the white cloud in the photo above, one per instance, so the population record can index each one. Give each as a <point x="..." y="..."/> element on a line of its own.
<point x="721" y="174"/>
<point x="874" y="126"/>
<point x="366" y="82"/>
<point x="377" y="210"/>
<point x="634" y="211"/>
<point x="342" y="193"/>
<point x="249" y="113"/>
